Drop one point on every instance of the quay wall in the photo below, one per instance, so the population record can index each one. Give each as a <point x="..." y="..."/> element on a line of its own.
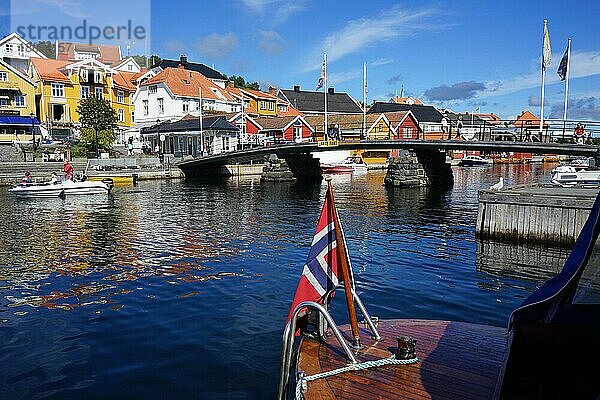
<point x="534" y="214"/>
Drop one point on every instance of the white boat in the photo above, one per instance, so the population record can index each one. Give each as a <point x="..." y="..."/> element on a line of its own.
<point x="62" y="188"/>
<point x="473" y="161"/>
<point x="568" y="175"/>
<point x="354" y="164"/>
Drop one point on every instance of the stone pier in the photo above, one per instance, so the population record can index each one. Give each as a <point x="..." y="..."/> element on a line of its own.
<point x="421" y="168"/>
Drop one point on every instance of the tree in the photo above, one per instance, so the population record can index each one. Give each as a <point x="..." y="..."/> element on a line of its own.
<point x="141" y="60"/>
<point x="46" y="47"/>
<point x="240" y="82"/>
<point x="98" y="121"/>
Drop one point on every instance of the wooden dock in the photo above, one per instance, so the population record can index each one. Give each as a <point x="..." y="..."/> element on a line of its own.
<point x="534" y="214"/>
<point x="457" y="360"/>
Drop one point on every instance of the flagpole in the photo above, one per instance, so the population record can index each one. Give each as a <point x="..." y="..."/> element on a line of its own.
<point x="325" y="125"/>
<point x="364" y="100"/>
<point x="344" y="266"/>
<point x="543" y="78"/>
<point x="200" y="118"/>
<point x="567" y="86"/>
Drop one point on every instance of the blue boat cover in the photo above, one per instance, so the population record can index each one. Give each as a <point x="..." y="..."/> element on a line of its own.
<point x="17" y="120"/>
<point x="546" y="302"/>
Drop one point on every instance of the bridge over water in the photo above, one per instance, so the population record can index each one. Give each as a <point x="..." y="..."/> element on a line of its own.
<point x="298" y="153"/>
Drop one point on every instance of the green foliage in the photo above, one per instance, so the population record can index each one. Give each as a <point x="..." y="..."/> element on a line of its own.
<point x="98" y="120"/>
<point x="240" y="82"/>
<point x="97" y="114"/>
<point x="46" y="47"/>
<point x="80" y="151"/>
<point x="87" y="139"/>
<point x="141" y="60"/>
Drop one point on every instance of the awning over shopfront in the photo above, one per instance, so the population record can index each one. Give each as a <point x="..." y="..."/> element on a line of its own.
<point x="17" y="120"/>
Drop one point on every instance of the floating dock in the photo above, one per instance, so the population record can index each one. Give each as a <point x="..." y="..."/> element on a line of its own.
<point x="540" y="213"/>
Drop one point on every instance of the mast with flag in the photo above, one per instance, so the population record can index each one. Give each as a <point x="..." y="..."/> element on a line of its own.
<point x="563" y="72"/>
<point x="322" y="82"/>
<point x="546" y="61"/>
<point x="364" y="101"/>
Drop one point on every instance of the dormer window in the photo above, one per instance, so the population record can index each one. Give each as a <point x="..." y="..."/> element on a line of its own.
<point x="84" y="75"/>
<point x="97" y="76"/>
<point x="3" y="76"/>
<point x="152" y="89"/>
<point x="8" y="47"/>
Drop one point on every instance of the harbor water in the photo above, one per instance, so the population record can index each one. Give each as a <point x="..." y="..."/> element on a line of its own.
<point x="180" y="290"/>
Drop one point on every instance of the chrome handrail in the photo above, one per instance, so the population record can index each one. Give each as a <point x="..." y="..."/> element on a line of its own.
<point x="288" y="342"/>
<point x="361" y="306"/>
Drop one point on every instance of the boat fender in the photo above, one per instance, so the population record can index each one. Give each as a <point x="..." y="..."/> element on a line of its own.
<point x="406" y="348"/>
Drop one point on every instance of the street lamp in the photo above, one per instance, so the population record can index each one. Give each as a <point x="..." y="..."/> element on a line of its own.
<point x="32" y="116"/>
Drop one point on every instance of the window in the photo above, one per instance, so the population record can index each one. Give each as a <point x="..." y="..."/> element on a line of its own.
<point x="84" y="75"/>
<point x="197" y="104"/>
<point x="19" y="100"/>
<point x="226" y="143"/>
<point x="120" y="96"/>
<point x="9" y="48"/>
<point x="130" y="67"/>
<point x="407" y="132"/>
<point x="263" y="105"/>
<point x="121" y="115"/>
<point x="271" y="106"/>
<point x="282" y="108"/>
<point x="161" y="106"/>
<point x="58" y="90"/>
<point x="145" y="105"/>
<point x="3" y="76"/>
<point x="99" y="93"/>
<point x="85" y="92"/>
<point x="21" y="50"/>
<point x="380" y="128"/>
<point x="298" y="133"/>
<point x="186" y="106"/>
<point x="133" y="116"/>
<point x="97" y="76"/>
<point x="152" y="89"/>
<point x="4" y="102"/>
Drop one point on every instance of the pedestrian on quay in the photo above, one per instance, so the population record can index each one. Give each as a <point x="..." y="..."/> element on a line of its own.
<point x="445" y="127"/>
<point x="459" y="125"/>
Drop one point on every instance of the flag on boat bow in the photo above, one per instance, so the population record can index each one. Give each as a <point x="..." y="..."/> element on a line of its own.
<point x="321" y="271"/>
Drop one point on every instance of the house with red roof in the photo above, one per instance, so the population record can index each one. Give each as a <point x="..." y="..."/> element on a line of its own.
<point x="105" y="53"/>
<point x="284" y="129"/>
<point x="175" y="92"/>
<point x="61" y="85"/>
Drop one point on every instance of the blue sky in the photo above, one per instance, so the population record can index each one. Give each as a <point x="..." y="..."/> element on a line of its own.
<point x="461" y="54"/>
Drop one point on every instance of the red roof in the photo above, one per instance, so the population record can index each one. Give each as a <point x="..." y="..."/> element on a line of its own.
<point x="186" y="83"/>
<point x="108" y="54"/>
<point x="51" y="70"/>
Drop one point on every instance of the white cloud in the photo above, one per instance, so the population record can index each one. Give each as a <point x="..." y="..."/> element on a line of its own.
<point x="338" y="77"/>
<point x="583" y="64"/>
<point x="381" y="61"/>
<point x="270" y="42"/>
<point x="393" y="23"/>
<point x="277" y="11"/>
<point x="216" y="45"/>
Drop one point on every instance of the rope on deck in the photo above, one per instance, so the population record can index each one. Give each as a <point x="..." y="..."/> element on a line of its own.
<point x="302" y="383"/>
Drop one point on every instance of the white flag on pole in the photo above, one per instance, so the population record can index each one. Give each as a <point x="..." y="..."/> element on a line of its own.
<point x="321" y="80"/>
<point x="547" y="52"/>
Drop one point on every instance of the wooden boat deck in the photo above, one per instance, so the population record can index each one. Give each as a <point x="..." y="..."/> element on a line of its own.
<point x="457" y="360"/>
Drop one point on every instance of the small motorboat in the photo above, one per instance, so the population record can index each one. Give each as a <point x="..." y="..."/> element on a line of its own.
<point x="61" y="188"/>
<point x="474" y="161"/>
<point x="568" y="175"/>
<point x="352" y="164"/>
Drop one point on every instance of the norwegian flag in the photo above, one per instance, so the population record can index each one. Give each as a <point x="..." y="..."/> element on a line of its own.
<point x="320" y="273"/>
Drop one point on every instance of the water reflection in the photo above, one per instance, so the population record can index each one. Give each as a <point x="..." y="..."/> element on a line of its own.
<point x="98" y="294"/>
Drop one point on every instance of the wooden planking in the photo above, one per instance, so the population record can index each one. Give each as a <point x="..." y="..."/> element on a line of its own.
<point x="538" y="213"/>
<point x="457" y="361"/>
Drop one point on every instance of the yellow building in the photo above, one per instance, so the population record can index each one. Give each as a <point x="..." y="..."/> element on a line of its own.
<point x="61" y="85"/>
<point x="17" y="105"/>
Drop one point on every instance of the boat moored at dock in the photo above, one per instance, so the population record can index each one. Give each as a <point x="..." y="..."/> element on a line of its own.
<point x="474" y="161"/>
